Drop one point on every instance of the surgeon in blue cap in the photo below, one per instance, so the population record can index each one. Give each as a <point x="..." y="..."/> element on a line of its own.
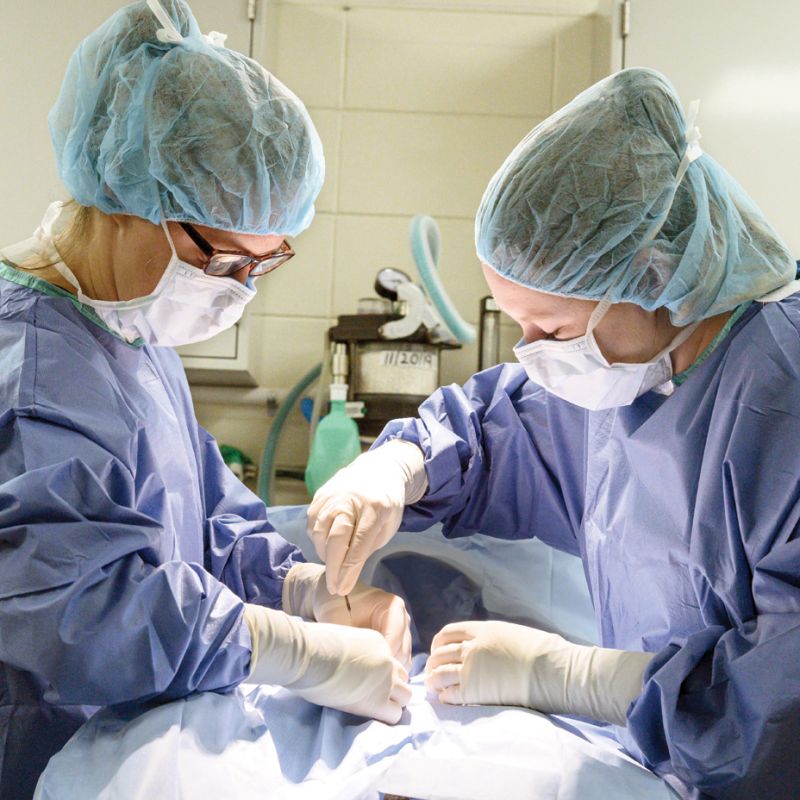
<point x="133" y="564"/>
<point x="652" y="427"/>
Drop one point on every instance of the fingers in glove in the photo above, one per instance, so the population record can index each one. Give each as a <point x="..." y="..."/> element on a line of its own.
<point x="393" y="624"/>
<point x="443" y="677"/>
<point x="405" y="654"/>
<point x="454" y="632"/>
<point x="452" y="695"/>
<point x="321" y="515"/>
<point x="389" y="713"/>
<point x="401" y="694"/>
<point x="363" y="540"/>
<point x="401" y="691"/>
<point x="446" y="654"/>
<point x="347" y="578"/>
<point x="339" y="541"/>
<point x="399" y="673"/>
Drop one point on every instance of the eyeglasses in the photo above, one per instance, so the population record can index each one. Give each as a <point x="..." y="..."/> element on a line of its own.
<point x="223" y="263"/>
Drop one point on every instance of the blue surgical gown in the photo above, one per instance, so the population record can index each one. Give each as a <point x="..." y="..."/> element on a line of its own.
<point x="127" y="547"/>
<point x="685" y="510"/>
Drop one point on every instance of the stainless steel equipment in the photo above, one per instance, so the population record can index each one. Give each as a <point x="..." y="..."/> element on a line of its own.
<point x="392" y="358"/>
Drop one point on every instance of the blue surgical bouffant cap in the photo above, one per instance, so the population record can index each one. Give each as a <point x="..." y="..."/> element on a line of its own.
<point x="153" y="116"/>
<point x="594" y="203"/>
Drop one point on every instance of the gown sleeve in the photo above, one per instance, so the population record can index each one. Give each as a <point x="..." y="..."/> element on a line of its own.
<point x="721" y="707"/>
<point x="92" y="599"/>
<point x="241" y="548"/>
<point x="492" y="462"/>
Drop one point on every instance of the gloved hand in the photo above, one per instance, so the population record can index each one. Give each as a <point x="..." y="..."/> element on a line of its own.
<point x="498" y="663"/>
<point x="359" y="509"/>
<point x="350" y="669"/>
<point x="305" y="595"/>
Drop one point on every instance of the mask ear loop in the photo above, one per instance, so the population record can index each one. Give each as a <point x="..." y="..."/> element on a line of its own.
<point x="603" y="308"/>
<point x="164" y="220"/>
<point x="169" y="238"/>
<point x="600" y="310"/>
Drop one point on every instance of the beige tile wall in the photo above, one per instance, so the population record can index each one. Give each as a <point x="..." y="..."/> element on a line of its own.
<point x="416" y="107"/>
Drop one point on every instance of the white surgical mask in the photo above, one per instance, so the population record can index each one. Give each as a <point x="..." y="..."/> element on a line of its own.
<point x="577" y="371"/>
<point x="186" y="306"/>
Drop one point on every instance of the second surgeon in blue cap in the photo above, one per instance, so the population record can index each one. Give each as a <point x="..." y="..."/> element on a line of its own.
<point x="652" y="427"/>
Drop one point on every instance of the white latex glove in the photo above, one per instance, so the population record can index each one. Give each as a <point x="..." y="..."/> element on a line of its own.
<point x="359" y="509"/>
<point x="306" y="595"/>
<point x="498" y="663"/>
<point x="350" y="669"/>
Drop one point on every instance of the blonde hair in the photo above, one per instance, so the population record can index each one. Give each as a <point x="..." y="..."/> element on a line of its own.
<point x="77" y="233"/>
<point x="73" y="238"/>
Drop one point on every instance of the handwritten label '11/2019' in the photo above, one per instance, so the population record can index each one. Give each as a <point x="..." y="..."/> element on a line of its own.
<point x="407" y="358"/>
